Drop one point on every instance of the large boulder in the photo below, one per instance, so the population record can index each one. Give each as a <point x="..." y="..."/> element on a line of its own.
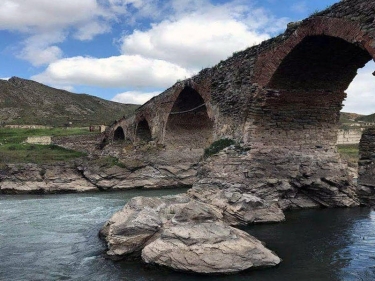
<point x="237" y="207"/>
<point x="208" y="248"/>
<point x="184" y="234"/>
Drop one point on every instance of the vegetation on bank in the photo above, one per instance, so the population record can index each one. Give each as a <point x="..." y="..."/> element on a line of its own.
<point x="349" y="153"/>
<point x="13" y="148"/>
<point x="219" y="145"/>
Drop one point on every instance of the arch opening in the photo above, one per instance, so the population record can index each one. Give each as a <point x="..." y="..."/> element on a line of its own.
<point x="305" y="94"/>
<point x="143" y="132"/>
<point x="320" y="62"/>
<point x="188" y="123"/>
<point x="119" y="134"/>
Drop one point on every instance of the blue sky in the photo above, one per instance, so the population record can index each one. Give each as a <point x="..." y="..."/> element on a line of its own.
<point x="130" y="50"/>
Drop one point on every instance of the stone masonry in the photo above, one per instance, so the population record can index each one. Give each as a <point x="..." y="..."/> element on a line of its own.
<point x="366" y="166"/>
<point x="281" y="99"/>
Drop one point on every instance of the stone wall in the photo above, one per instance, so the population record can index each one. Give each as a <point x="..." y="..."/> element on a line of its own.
<point x="39" y="140"/>
<point x="351" y="136"/>
<point x="27" y="127"/>
<point x="366" y="166"/>
<point x="366" y="172"/>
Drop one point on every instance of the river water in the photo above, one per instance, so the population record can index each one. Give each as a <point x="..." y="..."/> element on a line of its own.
<point x="55" y="237"/>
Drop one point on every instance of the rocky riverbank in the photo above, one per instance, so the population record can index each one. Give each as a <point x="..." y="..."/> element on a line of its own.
<point x="133" y="169"/>
<point x="194" y="231"/>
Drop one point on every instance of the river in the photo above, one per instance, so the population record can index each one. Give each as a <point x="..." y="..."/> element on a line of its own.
<point x="55" y="237"/>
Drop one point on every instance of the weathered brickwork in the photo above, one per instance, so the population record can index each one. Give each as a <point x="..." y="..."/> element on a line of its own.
<point x="366" y="166"/>
<point x="367" y="157"/>
<point x="282" y="96"/>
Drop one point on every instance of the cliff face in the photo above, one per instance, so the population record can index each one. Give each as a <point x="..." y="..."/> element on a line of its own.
<point x="28" y="102"/>
<point x="137" y="170"/>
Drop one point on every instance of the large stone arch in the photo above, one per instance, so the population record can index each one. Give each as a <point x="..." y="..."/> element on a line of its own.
<point x="270" y="60"/>
<point x="119" y="134"/>
<point x="304" y="81"/>
<point x="188" y="123"/>
<point x="143" y="131"/>
<point x="294" y="114"/>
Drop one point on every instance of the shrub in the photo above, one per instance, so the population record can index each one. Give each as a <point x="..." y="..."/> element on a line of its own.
<point x="216" y="146"/>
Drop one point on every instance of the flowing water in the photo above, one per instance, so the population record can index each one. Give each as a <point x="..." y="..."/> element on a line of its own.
<point x="55" y="237"/>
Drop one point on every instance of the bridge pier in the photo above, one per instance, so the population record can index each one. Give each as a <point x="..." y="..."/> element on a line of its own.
<point x="366" y="167"/>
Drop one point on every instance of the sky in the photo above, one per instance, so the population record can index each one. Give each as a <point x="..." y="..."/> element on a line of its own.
<point x="131" y="50"/>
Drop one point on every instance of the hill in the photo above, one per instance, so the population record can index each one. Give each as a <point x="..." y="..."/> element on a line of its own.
<point x="367" y="118"/>
<point x="348" y="118"/>
<point x="26" y="102"/>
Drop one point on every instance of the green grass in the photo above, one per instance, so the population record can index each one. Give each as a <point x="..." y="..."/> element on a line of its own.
<point x="14" y="136"/>
<point x="39" y="154"/>
<point x="349" y="152"/>
<point x="14" y="150"/>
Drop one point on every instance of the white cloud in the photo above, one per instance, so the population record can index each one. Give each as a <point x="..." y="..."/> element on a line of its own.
<point x="41" y="20"/>
<point x="204" y="36"/>
<point x="121" y="71"/>
<point x="361" y="92"/>
<point x="5" y="78"/>
<point x="39" y="49"/>
<point x="134" y="97"/>
<point x="91" y="29"/>
<point x="192" y="35"/>
<point x="186" y="43"/>
<point x="31" y="15"/>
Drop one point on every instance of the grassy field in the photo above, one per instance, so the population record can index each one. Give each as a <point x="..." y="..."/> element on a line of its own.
<point x="349" y="152"/>
<point x="14" y="150"/>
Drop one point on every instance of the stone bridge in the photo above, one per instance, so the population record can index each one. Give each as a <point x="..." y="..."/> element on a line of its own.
<point x="280" y="99"/>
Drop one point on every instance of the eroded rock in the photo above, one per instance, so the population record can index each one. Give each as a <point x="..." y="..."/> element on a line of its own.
<point x="237" y="207"/>
<point x="208" y="248"/>
<point x="33" y="178"/>
<point x="184" y="234"/>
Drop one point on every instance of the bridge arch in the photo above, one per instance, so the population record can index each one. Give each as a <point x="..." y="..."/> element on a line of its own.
<point x="350" y="31"/>
<point x="119" y="134"/>
<point x="304" y="81"/>
<point x="143" y="131"/>
<point x="188" y="124"/>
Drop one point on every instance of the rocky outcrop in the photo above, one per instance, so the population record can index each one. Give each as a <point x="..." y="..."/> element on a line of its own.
<point x="184" y="234"/>
<point x="238" y="208"/>
<point x="208" y="248"/>
<point x="33" y="178"/>
<point x="91" y="176"/>
<point x="149" y="169"/>
<point x="314" y="180"/>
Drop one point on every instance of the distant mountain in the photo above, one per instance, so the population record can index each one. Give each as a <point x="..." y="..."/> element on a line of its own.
<point x="28" y="102"/>
<point x="346" y="117"/>
<point x="356" y="121"/>
<point x="367" y="118"/>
